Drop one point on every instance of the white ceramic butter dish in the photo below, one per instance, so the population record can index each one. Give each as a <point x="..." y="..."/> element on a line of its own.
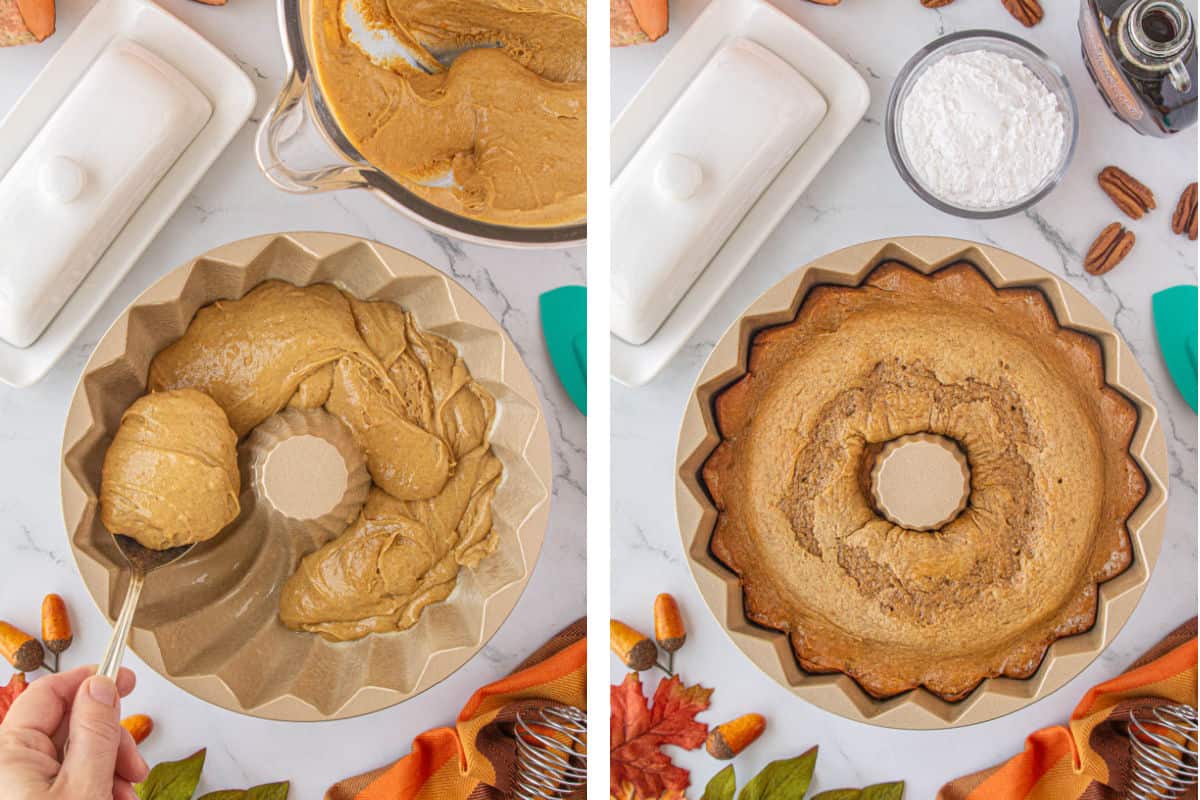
<point x="845" y="93"/>
<point x="83" y="175"/>
<point x="225" y="87"/>
<point x="723" y="141"/>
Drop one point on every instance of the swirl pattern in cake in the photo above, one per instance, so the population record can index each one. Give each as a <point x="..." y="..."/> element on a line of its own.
<point x="1052" y="482"/>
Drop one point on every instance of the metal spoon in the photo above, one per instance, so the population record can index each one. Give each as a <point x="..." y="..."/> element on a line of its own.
<point x="142" y="561"/>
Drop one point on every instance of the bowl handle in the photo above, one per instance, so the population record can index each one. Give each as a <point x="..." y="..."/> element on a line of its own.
<point x="284" y="121"/>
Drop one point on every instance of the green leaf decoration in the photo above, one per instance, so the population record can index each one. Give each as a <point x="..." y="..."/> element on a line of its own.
<point x="880" y="791"/>
<point x="787" y="779"/>
<point x="172" y="780"/>
<point x="268" y="791"/>
<point x="721" y="786"/>
<point x="884" y="791"/>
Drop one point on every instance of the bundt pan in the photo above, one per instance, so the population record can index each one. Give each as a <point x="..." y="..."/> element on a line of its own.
<point x="770" y="649"/>
<point x="210" y="623"/>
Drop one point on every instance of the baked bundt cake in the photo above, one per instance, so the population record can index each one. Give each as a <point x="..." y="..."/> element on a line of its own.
<point x="1051" y="480"/>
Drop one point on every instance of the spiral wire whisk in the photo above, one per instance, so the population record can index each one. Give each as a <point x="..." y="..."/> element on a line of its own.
<point x="551" y="753"/>
<point x="1164" y="752"/>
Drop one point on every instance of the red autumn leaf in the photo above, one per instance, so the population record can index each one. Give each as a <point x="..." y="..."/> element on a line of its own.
<point x="627" y="792"/>
<point x="9" y="693"/>
<point x="639" y="731"/>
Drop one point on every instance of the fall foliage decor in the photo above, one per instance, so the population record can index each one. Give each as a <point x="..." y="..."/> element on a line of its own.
<point x="637" y="765"/>
<point x="669" y="631"/>
<point x="25" y="652"/>
<point x="727" y="740"/>
<point x="11" y="692"/>
<point x="786" y="779"/>
<point x="633" y="647"/>
<point x="139" y="726"/>
<point x="789" y="779"/>
<point x="177" y="780"/>
<point x="20" y="649"/>
<point x="879" y="791"/>
<point x="56" y="626"/>
<point x="638" y="729"/>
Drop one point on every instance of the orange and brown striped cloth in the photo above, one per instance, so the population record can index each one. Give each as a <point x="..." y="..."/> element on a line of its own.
<point x="476" y="759"/>
<point x="1089" y="758"/>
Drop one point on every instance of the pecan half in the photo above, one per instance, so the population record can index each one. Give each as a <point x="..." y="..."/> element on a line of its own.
<point x="936" y="3"/>
<point x="1027" y="12"/>
<point x="1184" y="219"/>
<point x="1130" y="194"/>
<point x="1109" y="249"/>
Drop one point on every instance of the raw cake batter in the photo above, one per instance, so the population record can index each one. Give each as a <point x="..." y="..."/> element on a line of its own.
<point x="170" y="476"/>
<point x="407" y="397"/>
<point x="507" y="117"/>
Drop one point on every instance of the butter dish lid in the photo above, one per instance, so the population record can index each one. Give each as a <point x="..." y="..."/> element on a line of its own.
<point x="88" y="169"/>
<point x="739" y="121"/>
<point x="143" y="27"/>
<point x="847" y="97"/>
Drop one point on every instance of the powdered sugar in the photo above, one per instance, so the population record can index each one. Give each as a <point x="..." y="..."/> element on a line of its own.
<point x="980" y="130"/>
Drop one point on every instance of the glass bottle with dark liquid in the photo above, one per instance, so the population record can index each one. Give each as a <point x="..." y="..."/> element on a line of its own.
<point x="1141" y="55"/>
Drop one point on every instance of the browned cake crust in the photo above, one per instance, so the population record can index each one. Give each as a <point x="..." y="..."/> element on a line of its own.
<point x="1052" y="481"/>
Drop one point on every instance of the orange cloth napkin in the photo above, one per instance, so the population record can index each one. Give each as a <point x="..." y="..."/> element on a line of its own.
<point x="1089" y="758"/>
<point x="476" y="759"/>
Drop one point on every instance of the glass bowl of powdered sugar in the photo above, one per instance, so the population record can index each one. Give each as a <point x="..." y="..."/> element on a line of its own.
<point x="981" y="124"/>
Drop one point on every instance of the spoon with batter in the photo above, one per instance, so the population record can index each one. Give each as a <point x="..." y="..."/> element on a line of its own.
<point x="142" y="561"/>
<point x="170" y="480"/>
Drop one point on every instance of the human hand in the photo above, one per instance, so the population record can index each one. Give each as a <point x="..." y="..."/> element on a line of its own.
<point x="102" y="761"/>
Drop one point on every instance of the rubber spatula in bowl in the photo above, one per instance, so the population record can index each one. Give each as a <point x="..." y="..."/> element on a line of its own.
<point x="564" y="325"/>
<point x="1175" y="324"/>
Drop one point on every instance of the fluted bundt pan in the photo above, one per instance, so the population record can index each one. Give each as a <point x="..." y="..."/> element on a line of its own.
<point x="210" y="623"/>
<point x="770" y="649"/>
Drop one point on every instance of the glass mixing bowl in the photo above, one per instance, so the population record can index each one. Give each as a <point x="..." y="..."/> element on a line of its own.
<point x="1034" y="59"/>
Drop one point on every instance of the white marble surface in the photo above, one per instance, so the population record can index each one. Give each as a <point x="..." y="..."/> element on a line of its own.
<point x="234" y="201"/>
<point x="860" y="197"/>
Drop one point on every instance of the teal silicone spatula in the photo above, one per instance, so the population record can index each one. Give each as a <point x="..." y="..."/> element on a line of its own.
<point x="1175" y="324"/>
<point x="564" y="325"/>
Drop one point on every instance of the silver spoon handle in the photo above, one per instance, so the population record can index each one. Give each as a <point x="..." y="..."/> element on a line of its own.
<point x="116" y="645"/>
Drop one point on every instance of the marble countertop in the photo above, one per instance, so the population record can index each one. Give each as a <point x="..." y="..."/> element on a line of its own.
<point x="859" y="197"/>
<point x="231" y="202"/>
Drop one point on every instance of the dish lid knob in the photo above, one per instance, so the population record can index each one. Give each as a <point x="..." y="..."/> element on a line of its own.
<point x="678" y="176"/>
<point x="63" y="179"/>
